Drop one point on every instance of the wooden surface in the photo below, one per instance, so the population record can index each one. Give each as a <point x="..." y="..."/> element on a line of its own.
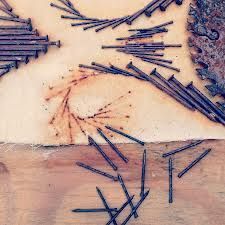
<point x="40" y="186"/>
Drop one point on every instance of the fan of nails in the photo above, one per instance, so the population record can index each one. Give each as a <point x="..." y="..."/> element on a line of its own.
<point x="100" y="24"/>
<point x="140" y="47"/>
<point x="18" y="40"/>
<point x="115" y="212"/>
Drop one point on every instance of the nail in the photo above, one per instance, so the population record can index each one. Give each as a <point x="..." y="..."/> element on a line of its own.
<point x="29" y="42"/>
<point x="170" y="180"/>
<point x="93" y="68"/>
<point x="136" y="208"/>
<point x="144" y="161"/>
<point x="112" y="22"/>
<point x="165" y="5"/>
<point x="140" y="12"/>
<point x="108" y="160"/>
<point x="155" y="59"/>
<point x="120" y="22"/>
<point x="125" y="135"/>
<point x="127" y="194"/>
<point x="152" y="9"/>
<point x="98" y="210"/>
<point x="21" y="27"/>
<point x="7" y="6"/>
<point x="85" y="23"/>
<point x="107" y="69"/>
<point x="155" y="27"/>
<point x="161" y="64"/>
<point x="18" y="32"/>
<point x="138" y="53"/>
<point x="179" y="2"/>
<point x="171" y="86"/>
<point x="79" y="18"/>
<point x="196" y="161"/>
<point x="25" y="37"/>
<point x="118" y="152"/>
<point x="8" y="12"/>
<point x="23" y="48"/>
<point x="120" y="210"/>
<point x="64" y="9"/>
<point x="19" y="53"/>
<point x="206" y="100"/>
<point x="159" y="86"/>
<point x="15" y="19"/>
<point x="69" y="5"/>
<point x="9" y="65"/>
<point x="105" y="204"/>
<point x="15" y="58"/>
<point x="202" y="107"/>
<point x="96" y="24"/>
<point x="97" y="171"/>
<point x="3" y="72"/>
<point x="178" y="150"/>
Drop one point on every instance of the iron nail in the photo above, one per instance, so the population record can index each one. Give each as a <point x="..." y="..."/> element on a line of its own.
<point x="196" y="161"/>
<point x="170" y="169"/>
<point x="165" y="5"/>
<point x="143" y="174"/>
<point x="97" y="210"/>
<point x="7" y="6"/>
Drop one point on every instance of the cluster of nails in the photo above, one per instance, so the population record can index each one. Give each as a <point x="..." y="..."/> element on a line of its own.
<point x="18" y="40"/>
<point x="189" y="96"/>
<point x="147" y="51"/>
<point x="101" y="24"/>
<point x="114" y="212"/>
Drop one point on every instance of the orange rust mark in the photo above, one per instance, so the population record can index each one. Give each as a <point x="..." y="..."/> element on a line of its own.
<point x="67" y="123"/>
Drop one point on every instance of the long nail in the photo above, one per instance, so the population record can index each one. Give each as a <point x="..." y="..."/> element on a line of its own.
<point x="96" y="24"/>
<point x="159" y="86"/>
<point x="18" y="32"/>
<point x="108" y="160"/>
<point x="202" y="107"/>
<point x="206" y="100"/>
<point x="125" y="135"/>
<point x="136" y="208"/>
<point x="64" y="9"/>
<point x="19" y="53"/>
<point x="24" y="37"/>
<point x="23" y="48"/>
<point x="170" y="85"/>
<point x="120" y="22"/>
<point x="15" y="58"/>
<point x="120" y="210"/>
<point x="165" y="5"/>
<point x="178" y="150"/>
<point x="196" y="161"/>
<point x="110" y="70"/>
<point x="118" y="152"/>
<point x="105" y="204"/>
<point x="29" y="42"/>
<point x="96" y="171"/>
<point x="97" y="210"/>
<point x="170" y="180"/>
<point x="21" y="27"/>
<point x="93" y="68"/>
<point x="154" y="59"/>
<point x="10" y="13"/>
<point x="7" y="6"/>
<point x="144" y="161"/>
<point x="15" y="19"/>
<point x="79" y="18"/>
<point x="152" y="9"/>
<point x="140" y="12"/>
<point x="127" y="194"/>
<point x="9" y="65"/>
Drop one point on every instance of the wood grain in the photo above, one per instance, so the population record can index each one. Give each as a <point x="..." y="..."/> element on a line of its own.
<point x="40" y="186"/>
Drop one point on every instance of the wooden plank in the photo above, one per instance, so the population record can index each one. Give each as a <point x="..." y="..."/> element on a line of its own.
<point x="40" y="186"/>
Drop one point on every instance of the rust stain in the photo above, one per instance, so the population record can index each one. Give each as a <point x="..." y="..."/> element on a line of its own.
<point x="3" y="168"/>
<point x="66" y="122"/>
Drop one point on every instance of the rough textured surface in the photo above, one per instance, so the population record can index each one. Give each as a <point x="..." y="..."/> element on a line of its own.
<point x="41" y="187"/>
<point x="207" y="24"/>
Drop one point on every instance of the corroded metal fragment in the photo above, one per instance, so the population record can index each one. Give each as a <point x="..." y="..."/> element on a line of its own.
<point x="207" y="42"/>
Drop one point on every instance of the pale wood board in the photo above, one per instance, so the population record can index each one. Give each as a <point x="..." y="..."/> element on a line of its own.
<point x="40" y="186"/>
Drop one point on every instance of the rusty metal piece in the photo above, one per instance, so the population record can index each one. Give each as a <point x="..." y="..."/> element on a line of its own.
<point x="207" y="26"/>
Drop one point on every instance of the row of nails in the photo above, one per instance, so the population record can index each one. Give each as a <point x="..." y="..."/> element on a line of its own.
<point x="147" y="52"/>
<point x="101" y="24"/>
<point x="189" y="95"/>
<point x="19" y="42"/>
<point x="147" y="32"/>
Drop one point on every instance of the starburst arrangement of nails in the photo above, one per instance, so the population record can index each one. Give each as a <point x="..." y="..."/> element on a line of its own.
<point x="18" y="40"/>
<point x="100" y="24"/>
<point x="114" y="213"/>
<point x="189" y="96"/>
<point x="67" y="121"/>
<point x="150" y="52"/>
